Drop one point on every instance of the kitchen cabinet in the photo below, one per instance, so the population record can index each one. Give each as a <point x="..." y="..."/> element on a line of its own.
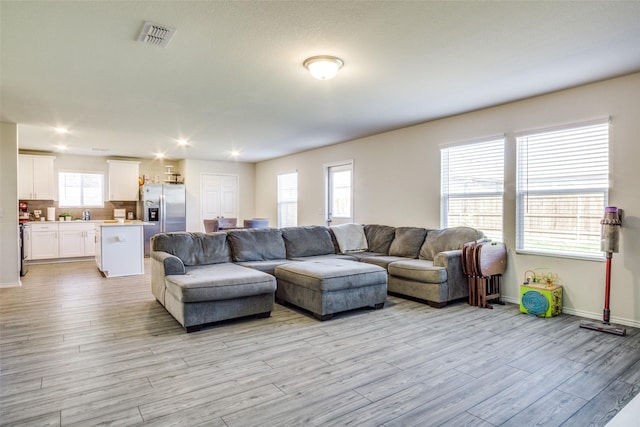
<point x="36" y="177"/>
<point x="123" y="180"/>
<point x="120" y="249"/>
<point x="90" y="241"/>
<point x="76" y="239"/>
<point x="44" y="241"/>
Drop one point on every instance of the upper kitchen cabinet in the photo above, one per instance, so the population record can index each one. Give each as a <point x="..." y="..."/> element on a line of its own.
<point x="36" y="177"/>
<point x="123" y="180"/>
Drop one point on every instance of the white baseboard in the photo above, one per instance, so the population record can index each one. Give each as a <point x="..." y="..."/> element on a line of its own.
<point x="11" y="284"/>
<point x="586" y="314"/>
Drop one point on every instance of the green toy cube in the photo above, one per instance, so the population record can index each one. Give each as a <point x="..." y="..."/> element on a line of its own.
<point x="541" y="300"/>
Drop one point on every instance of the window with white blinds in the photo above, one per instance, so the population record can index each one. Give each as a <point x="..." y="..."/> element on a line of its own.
<point x="80" y="190"/>
<point x="288" y="199"/>
<point x="562" y="189"/>
<point x="472" y="186"/>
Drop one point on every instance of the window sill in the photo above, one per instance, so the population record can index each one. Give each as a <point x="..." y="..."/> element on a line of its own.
<point x="578" y="257"/>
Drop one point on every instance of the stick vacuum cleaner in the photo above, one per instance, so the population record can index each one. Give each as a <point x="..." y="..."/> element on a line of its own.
<point x="609" y="237"/>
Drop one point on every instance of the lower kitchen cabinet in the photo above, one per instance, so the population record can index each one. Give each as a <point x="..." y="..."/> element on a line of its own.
<point x="120" y="249"/>
<point x="50" y="240"/>
<point x="44" y="241"/>
<point x="76" y="240"/>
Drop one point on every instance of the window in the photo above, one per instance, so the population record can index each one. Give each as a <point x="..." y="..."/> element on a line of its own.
<point x="339" y="192"/>
<point x="288" y="199"/>
<point x="472" y="186"/>
<point x="80" y="189"/>
<point x="562" y="189"/>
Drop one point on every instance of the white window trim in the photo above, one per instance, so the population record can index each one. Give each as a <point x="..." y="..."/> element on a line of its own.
<point x="61" y="171"/>
<point x="444" y="198"/>
<point x="326" y="167"/>
<point x="278" y="202"/>
<point x="519" y="199"/>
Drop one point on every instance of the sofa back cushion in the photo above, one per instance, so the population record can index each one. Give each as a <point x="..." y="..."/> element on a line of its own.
<point x="349" y="237"/>
<point x="307" y="241"/>
<point x="194" y="248"/>
<point x="407" y="241"/>
<point x="379" y="237"/>
<point x="260" y="244"/>
<point x="448" y="239"/>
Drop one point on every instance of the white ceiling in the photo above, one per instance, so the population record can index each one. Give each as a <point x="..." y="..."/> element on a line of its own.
<point x="232" y="76"/>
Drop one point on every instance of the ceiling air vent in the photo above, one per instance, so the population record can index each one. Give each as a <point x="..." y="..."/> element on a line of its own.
<point x="155" y="34"/>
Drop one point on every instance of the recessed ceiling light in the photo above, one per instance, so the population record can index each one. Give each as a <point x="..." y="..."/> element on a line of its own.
<point x="61" y="131"/>
<point x="160" y="155"/>
<point x="184" y="143"/>
<point x="61" y="147"/>
<point x="234" y="153"/>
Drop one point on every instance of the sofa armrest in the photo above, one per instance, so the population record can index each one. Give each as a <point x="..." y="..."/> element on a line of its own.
<point x="456" y="280"/>
<point x="171" y="263"/>
<point x="162" y="265"/>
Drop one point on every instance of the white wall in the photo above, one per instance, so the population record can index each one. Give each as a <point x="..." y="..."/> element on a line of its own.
<point x="9" y="246"/>
<point x="397" y="182"/>
<point x="193" y="170"/>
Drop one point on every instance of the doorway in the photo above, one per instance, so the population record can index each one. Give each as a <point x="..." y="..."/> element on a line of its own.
<point x="339" y="193"/>
<point x="219" y="196"/>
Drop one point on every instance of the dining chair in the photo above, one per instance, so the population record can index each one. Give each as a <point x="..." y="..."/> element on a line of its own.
<point x="211" y="225"/>
<point x="256" y="223"/>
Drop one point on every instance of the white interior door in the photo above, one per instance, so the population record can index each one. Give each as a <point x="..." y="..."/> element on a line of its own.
<point x="339" y="201"/>
<point x="219" y="196"/>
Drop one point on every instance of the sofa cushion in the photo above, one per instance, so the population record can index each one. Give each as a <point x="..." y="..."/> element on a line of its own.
<point x="307" y="241"/>
<point x="219" y="282"/>
<point x="447" y="239"/>
<point x="256" y="245"/>
<point x="350" y="237"/>
<point x="381" y="260"/>
<point x="331" y="275"/>
<point x="268" y="266"/>
<point x="419" y="270"/>
<point x="194" y="248"/>
<point x="379" y="237"/>
<point x="407" y="242"/>
<point x="348" y="257"/>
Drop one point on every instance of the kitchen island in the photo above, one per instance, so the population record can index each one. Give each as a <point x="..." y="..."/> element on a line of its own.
<point x="120" y="248"/>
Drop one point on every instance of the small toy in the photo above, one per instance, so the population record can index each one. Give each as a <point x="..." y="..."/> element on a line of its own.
<point x="544" y="277"/>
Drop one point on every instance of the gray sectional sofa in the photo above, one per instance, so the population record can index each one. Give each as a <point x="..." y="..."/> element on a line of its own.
<point x="202" y="278"/>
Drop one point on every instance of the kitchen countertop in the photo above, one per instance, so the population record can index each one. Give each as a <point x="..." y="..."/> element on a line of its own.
<point x="93" y="221"/>
<point x="111" y="222"/>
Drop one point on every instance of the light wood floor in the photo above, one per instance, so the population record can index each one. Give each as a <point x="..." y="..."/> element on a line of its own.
<point x="79" y="349"/>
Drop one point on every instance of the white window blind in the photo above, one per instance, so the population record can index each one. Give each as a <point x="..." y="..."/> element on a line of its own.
<point x="80" y="189"/>
<point x="288" y="199"/>
<point x="472" y="186"/>
<point x="562" y="189"/>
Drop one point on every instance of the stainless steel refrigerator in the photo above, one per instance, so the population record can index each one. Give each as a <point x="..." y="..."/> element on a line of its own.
<point x="162" y="206"/>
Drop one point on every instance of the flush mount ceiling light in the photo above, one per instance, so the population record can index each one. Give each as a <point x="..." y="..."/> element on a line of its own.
<point x="323" y="67"/>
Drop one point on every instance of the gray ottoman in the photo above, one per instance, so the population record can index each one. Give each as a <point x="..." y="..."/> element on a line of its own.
<point x="325" y="287"/>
